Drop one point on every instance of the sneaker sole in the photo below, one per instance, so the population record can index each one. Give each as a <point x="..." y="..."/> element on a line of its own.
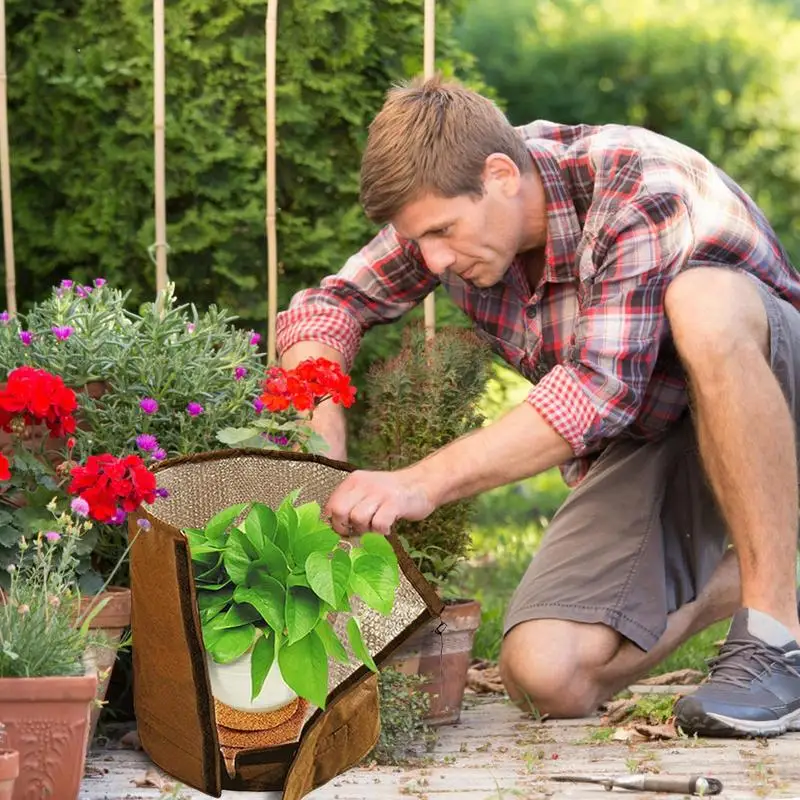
<point x="709" y="724"/>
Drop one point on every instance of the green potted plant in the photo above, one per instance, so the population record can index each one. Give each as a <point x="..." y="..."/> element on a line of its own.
<point x="425" y="396"/>
<point x="48" y="679"/>
<point x="275" y="590"/>
<point x="103" y="487"/>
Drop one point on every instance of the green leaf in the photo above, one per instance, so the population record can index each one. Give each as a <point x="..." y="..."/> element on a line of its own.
<point x="272" y="561"/>
<point x="260" y="525"/>
<point x="375" y="582"/>
<point x="333" y="647"/>
<point x="261" y="662"/>
<point x="234" y="436"/>
<point x="208" y="598"/>
<point x="304" y="668"/>
<point x="328" y="575"/>
<point x="199" y="545"/>
<point x="238" y="615"/>
<point x="302" y="612"/>
<point x="377" y="545"/>
<point x="287" y="523"/>
<point x="357" y="643"/>
<point x="232" y="643"/>
<point x="268" y="598"/>
<point x="298" y="579"/>
<point x="320" y="539"/>
<point x="239" y="556"/>
<point x="220" y="522"/>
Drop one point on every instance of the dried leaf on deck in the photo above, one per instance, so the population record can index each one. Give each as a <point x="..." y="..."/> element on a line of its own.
<point x="618" y="710"/>
<point x="130" y="741"/>
<point x="628" y="735"/>
<point x="681" y="677"/>
<point x="152" y="779"/>
<point x="485" y="680"/>
<point x="658" y="732"/>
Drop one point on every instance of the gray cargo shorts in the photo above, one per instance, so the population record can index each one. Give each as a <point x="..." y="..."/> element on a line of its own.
<point x="641" y="535"/>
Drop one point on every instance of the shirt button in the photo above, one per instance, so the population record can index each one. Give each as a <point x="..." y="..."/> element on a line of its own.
<point x="531" y="311"/>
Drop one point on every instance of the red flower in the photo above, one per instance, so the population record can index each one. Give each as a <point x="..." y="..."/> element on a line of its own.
<point x="306" y="386"/>
<point x="36" y="396"/>
<point x="108" y="483"/>
<point x="5" y="472"/>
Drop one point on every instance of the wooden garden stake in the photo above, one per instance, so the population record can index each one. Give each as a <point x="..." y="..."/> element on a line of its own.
<point x="429" y="60"/>
<point x="5" y="173"/>
<point x="159" y="102"/>
<point x="272" y="237"/>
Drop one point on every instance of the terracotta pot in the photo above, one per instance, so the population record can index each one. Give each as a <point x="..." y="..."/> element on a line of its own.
<point x="111" y="622"/>
<point x="443" y="658"/>
<point x="47" y="722"/>
<point x="9" y="770"/>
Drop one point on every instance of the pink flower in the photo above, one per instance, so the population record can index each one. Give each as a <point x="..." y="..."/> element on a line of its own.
<point x="194" y="409"/>
<point x="26" y="337"/>
<point x="83" y="291"/>
<point x="80" y="507"/>
<point x="146" y="442"/>
<point x="62" y="333"/>
<point x="148" y="405"/>
<point x="190" y="326"/>
<point x="255" y="338"/>
<point x="4" y="317"/>
<point x="52" y="536"/>
<point x="258" y="405"/>
<point x="118" y="518"/>
<point x="239" y="373"/>
<point x="98" y="282"/>
<point x="159" y="454"/>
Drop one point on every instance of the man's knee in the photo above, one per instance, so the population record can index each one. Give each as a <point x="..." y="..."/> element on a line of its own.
<point x="551" y="666"/>
<point x="715" y="312"/>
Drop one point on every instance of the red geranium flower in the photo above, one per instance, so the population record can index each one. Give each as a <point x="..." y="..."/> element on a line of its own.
<point x="37" y="396"/>
<point x="307" y="385"/>
<point x="5" y="472"/>
<point x="108" y="483"/>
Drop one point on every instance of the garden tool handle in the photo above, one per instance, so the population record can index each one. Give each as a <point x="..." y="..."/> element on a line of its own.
<point x="693" y="785"/>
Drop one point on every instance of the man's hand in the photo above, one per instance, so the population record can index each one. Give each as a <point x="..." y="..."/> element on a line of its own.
<point x="374" y="501"/>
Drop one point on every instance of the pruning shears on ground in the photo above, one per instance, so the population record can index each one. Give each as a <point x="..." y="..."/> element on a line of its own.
<point x="693" y="785"/>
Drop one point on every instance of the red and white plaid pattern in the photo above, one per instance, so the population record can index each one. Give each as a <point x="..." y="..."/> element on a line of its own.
<point x="627" y="210"/>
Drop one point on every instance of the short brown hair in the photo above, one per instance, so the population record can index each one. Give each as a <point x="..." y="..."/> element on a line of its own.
<point x="432" y="137"/>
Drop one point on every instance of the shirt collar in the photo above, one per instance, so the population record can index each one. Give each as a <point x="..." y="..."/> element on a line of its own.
<point x="563" y="229"/>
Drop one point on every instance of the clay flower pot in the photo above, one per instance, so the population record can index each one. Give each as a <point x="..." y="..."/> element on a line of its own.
<point x="47" y="721"/>
<point x="9" y="770"/>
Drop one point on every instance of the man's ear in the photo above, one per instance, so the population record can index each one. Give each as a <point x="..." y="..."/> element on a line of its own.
<point x="499" y="170"/>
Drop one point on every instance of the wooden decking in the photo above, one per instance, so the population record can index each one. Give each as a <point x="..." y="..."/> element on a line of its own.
<point x="496" y="753"/>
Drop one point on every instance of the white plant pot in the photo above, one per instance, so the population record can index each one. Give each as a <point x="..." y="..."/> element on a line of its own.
<point x="231" y="685"/>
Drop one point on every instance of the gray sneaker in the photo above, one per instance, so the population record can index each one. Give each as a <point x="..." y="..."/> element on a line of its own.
<point x="753" y="688"/>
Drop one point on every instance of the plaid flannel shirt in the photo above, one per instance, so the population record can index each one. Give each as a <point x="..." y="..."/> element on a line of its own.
<point x="627" y="210"/>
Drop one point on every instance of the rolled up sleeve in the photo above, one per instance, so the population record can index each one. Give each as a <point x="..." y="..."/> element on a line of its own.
<point x="598" y="391"/>
<point x="379" y="284"/>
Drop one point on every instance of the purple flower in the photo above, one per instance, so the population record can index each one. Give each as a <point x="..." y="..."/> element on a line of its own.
<point x="80" y="507"/>
<point x="258" y="405"/>
<point x="144" y="524"/>
<point x="98" y="282"/>
<point x="239" y="373"/>
<point x="278" y="439"/>
<point x="148" y="405"/>
<point x="119" y="517"/>
<point x="66" y="284"/>
<point x="52" y="536"/>
<point x="146" y="442"/>
<point x="83" y="291"/>
<point x="4" y="317"/>
<point x="194" y="409"/>
<point x="26" y="337"/>
<point x="190" y="326"/>
<point x="62" y="333"/>
<point x="162" y="492"/>
<point x="159" y="454"/>
<point x="255" y="338"/>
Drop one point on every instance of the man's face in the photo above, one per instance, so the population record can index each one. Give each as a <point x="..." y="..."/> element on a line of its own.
<point x="474" y="238"/>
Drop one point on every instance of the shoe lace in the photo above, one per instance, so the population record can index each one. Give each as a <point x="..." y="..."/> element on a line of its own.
<point x="741" y="660"/>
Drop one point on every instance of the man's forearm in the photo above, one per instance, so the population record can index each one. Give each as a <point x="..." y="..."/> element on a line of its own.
<point x="328" y="419"/>
<point x="517" y="446"/>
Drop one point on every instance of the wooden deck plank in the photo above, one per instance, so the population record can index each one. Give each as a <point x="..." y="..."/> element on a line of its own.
<point x="496" y="753"/>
